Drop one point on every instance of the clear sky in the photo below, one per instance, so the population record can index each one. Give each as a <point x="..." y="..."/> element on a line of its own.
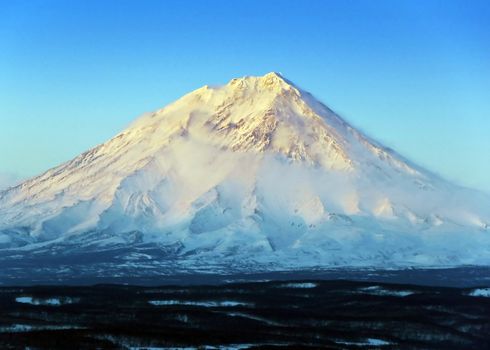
<point x="414" y="75"/>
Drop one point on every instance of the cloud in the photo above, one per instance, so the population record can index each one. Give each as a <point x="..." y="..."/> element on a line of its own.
<point x="8" y="179"/>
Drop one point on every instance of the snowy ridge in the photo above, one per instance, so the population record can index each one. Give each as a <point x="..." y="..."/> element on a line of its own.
<point x="256" y="168"/>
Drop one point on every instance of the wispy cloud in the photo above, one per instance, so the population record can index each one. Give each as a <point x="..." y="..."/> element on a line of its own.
<point x="8" y="179"/>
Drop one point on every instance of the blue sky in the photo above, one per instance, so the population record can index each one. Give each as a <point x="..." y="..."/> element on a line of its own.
<point x="414" y="75"/>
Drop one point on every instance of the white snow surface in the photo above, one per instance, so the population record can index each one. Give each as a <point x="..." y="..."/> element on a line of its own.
<point x="207" y="303"/>
<point x="378" y="290"/>
<point x="45" y="301"/>
<point x="256" y="169"/>
<point x="22" y="328"/>
<point x="480" y="292"/>
<point x="305" y="285"/>
<point x="367" y="342"/>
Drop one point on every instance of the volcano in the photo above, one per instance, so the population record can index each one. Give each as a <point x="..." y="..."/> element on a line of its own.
<point x="255" y="175"/>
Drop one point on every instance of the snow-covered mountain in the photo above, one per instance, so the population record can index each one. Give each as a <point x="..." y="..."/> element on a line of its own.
<point x="256" y="173"/>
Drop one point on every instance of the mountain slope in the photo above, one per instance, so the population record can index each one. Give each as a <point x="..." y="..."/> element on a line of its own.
<point x="254" y="172"/>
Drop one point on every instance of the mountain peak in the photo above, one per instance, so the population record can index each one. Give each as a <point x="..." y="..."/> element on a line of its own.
<point x="273" y="77"/>
<point x="273" y="74"/>
<point x="271" y="81"/>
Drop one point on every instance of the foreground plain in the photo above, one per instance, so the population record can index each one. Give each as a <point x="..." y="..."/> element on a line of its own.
<point x="308" y="314"/>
